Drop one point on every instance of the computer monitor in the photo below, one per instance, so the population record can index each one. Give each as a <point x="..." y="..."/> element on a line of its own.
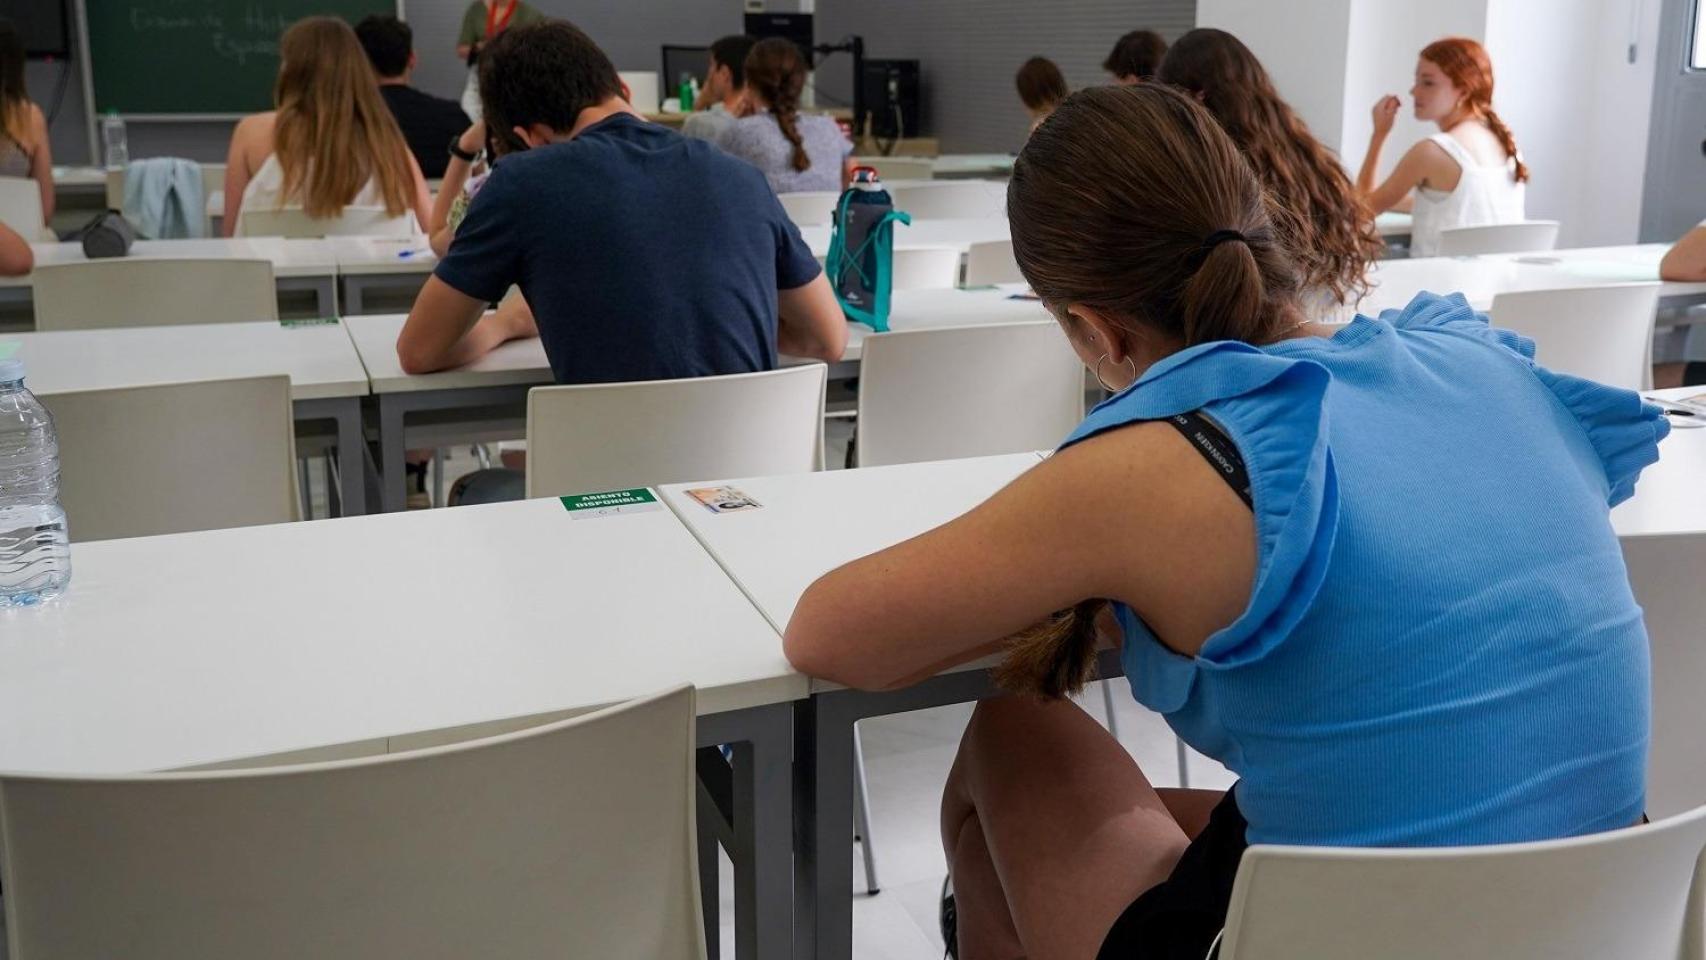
<point x="789" y="26"/>
<point x="681" y="62"/>
<point x="889" y="94"/>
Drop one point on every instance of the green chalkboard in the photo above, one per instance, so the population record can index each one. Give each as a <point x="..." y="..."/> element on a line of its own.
<point x="196" y="56"/>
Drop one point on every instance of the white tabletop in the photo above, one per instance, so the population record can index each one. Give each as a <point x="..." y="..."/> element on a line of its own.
<point x="380" y="255"/>
<point x="290" y="258"/>
<point x="80" y="178"/>
<point x="960" y="234"/>
<point x="197" y="648"/>
<point x="811" y="523"/>
<point x="930" y="309"/>
<point x="375" y="337"/>
<point x="1394" y="282"/>
<point x="950" y="164"/>
<point x="319" y="358"/>
<point x="1670" y="497"/>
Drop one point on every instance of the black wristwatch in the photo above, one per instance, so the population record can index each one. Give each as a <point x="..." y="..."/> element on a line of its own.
<point x="459" y="153"/>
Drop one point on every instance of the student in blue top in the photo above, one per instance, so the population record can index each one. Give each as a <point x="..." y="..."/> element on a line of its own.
<point x="643" y="255"/>
<point x="1368" y="568"/>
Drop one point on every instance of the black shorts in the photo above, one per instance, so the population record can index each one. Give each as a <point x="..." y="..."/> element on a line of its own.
<point x="1178" y="918"/>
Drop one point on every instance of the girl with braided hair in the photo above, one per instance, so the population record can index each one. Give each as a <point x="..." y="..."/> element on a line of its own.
<point x="1469" y="174"/>
<point x="795" y="152"/>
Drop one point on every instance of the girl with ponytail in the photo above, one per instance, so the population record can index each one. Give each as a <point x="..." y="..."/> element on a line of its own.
<point x="1327" y="556"/>
<point x="795" y="152"/>
<point x="1469" y="174"/>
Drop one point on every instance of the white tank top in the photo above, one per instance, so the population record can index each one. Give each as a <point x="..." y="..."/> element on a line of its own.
<point x="1485" y="195"/>
<point x="264" y="189"/>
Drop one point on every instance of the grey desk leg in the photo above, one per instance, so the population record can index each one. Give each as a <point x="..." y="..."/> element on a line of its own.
<point x="392" y="479"/>
<point x="823" y="829"/>
<point x="761" y="826"/>
<point x="352" y="296"/>
<point x="346" y="413"/>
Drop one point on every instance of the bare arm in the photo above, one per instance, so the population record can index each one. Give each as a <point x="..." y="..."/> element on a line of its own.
<point x="1687" y="259"/>
<point x="456" y="174"/>
<point x="1414" y="169"/>
<point x="16" y="257"/>
<point x="41" y="161"/>
<point x="423" y="196"/>
<point x="1068" y="530"/>
<point x="448" y="328"/>
<point x="810" y="323"/>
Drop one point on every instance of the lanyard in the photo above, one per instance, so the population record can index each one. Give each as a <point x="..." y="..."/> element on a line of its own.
<point x="494" y="23"/>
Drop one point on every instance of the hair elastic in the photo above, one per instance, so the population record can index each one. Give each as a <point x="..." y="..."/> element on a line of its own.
<point x="1219" y="237"/>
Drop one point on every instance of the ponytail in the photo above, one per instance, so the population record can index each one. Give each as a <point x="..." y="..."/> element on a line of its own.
<point x="1055" y="658"/>
<point x="775" y="71"/>
<point x="1507" y="140"/>
<point x="1224" y="299"/>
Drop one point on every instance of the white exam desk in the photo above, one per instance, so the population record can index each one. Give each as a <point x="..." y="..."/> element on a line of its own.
<point x="809" y="524"/>
<point x="370" y="265"/>
<point x="366" y="635"/>
<point x="1393" y="282"/>
<point x="298" y="265"/>
<point x="327" y="379"/>
<point x="959" y="234"/>
<point x="500" y="380"/>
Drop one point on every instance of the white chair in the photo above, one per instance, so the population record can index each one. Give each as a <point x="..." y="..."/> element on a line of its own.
<point x="361" y="221"/>
<point x="115" y="188"/>
<point x="576" y="838"/>
<point x="1664" y="572"/>
<point x="612" y="436"/>
<point x="1600" y="333"/>
<point x="992" y="261"/>
<point x="643" y="90"/>
<point x="811" y="208"/>
<point x="972" y="391"/>
<point x="152" y="292"/>
<point x="950" y="200"/>
<point x="1632" y="894"/>
<point x="212" y="184"/>
<point x="925" y="268"/>
<point x="1528" y="236"/>
<point x="142" y="461"/>
<point x="20" y="209"/>
<point x="900" y="168"/>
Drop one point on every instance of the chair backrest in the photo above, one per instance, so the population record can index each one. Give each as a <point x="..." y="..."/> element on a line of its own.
<point x="991" y="261"/>
<point x="614" y="436"/>
<point x="900" y="168"/>
<point x="360" y="221"/>
<point x="152" y="292"/>
<point x="643" y="90"/>
<point x="115" y="188"/>
<point x="1601" y="333"/>
<point x="1527" y="236"/>
<point x="141" y="461"/>
<point x="212" y="178"/>
<point x="20" y="208"/>
<point x="1629" y="894"/>
<point x="810" y="208"/>
<point x="966" y="392"/>
<point x="925" y="268"/>
<point x="950" y="200"/>
<point x="1664" y="573"/>
<point x="571" y="839"/>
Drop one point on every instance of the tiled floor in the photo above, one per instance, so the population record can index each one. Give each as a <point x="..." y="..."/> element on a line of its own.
<point x="907" y="759"/>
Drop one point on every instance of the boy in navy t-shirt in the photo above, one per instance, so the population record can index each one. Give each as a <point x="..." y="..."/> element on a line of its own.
<point x="643" y="255"/>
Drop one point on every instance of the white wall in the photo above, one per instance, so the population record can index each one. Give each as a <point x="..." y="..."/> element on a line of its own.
<point x="1580" y="111"/>
<point x="1302" y="43"/>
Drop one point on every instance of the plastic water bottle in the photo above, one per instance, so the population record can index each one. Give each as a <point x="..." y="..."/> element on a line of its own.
<point x="35" y="550"/>
<point x="112" y="134"/>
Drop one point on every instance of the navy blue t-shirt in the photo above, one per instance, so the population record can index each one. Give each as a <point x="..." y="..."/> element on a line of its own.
<point x="644" y="255"/>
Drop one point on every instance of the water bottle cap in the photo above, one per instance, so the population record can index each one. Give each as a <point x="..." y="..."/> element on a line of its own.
<point x="11" y="370"/>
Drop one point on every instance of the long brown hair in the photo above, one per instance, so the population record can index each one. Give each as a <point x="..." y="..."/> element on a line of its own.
<point x="333" y="132"/>
<point x="1466" y="64"/>
<point x="1134" y="201"/>
<point x="14" y="99"/>
<point x="1336" y="240"/>
<point x="775" y="71"/>
<point x="1041" y="84"/>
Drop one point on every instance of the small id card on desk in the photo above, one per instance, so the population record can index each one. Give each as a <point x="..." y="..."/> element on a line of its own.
<point x="724" y="499"/>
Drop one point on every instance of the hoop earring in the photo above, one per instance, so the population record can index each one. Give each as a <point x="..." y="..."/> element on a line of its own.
<point x="1103" y="381"/>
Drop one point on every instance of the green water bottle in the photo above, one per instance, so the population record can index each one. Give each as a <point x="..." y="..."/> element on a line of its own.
<point x="685" y="93"/>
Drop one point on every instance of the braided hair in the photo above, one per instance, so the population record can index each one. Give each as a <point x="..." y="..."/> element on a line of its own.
<point x="776" y="72"/>
<point x="1466" y="64"/>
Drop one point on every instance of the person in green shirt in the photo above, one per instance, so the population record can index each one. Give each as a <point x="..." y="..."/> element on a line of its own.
<point x="484" y="20"/>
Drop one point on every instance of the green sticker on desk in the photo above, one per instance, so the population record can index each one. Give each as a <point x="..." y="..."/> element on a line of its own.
<point x="610" y="503"/>
<point x="309" y="322"/>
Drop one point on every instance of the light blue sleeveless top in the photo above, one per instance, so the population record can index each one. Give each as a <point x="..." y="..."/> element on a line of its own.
<point x="1441" y="646"/>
